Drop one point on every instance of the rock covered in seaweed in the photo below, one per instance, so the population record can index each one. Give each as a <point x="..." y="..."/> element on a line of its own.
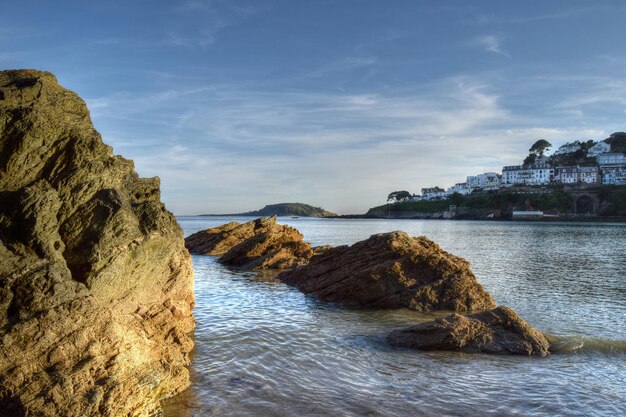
<point x="499" y="330"/>
<point x="96" y="286"/>
<point x="392" y="270"/>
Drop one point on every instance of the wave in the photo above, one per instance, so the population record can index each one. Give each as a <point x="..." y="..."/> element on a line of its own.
<point x="581" y="344"/>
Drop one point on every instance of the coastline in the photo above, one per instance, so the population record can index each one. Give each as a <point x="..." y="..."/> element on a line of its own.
<point x="440" y="216"/>
<point x="428" y="216"/>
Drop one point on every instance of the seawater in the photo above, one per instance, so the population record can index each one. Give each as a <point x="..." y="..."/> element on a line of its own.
<point x="265" y="349"/>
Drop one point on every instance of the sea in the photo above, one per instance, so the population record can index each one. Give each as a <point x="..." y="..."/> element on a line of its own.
<point x="263" y="348"/>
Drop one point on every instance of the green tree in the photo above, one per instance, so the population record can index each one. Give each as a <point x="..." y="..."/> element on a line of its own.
<point x="587" y="144"/>
<point x="530" y="159"/>
<point x="580" y="154"/>
<point x="399" y="196"/>
<point x="456" y="199"/>
<point x="540" y="147"/>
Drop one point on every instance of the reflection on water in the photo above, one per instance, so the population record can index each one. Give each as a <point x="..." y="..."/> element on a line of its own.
<point x="265" y="349"/>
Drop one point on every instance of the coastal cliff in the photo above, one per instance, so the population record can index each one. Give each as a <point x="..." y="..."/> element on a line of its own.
<point x="96" y="286"/>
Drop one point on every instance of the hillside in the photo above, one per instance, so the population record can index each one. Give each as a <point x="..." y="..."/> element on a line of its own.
<point x="556" y="199"/>
<point x="287" y="209"/>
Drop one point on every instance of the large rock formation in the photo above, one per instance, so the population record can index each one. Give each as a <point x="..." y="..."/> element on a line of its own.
<point x="280" y="247"/>
<point x="392" y="270"/>
<point x="219" y="240"/>
<point x="499" y="330"/>
<point x="96" y="290"/>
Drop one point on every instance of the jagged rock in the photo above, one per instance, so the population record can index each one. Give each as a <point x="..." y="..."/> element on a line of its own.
<point x="219" y="240"/>
<point x="280" y="247"/>
<point x="499" y="330"/>
<point x="392" y="270"/>
<point x="96" y="287"/>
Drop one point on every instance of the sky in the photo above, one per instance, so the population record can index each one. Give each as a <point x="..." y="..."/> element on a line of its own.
<point x="335" y="103"/>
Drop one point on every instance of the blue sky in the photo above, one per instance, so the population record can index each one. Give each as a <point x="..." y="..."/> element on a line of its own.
<point x="238" y="104"/>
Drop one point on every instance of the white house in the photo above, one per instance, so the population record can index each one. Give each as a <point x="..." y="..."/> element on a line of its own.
<point x="610" y="159"/>
<point x="534" y="174"/>
<point x="598" y="148"/>
<point x="433" y="193"/>
<point x="567" y="148"/>
<point x="614" y="176"/>
<point x="574" y="175"/>
<point x="486" y="181"/>
<point x="613" y="166"/>
<point x="460" y="188"/>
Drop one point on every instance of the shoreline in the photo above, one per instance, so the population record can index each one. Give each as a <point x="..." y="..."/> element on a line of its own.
<point x="579" y="219"/>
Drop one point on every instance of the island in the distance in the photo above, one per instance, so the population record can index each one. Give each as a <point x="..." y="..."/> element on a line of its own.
<point x="284" y="209"/>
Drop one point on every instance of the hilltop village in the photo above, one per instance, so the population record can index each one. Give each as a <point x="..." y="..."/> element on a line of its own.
<point x="577" y="162"/>
<point x="581" y="179"/>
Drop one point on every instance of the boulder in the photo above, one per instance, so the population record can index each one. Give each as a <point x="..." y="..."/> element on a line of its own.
<point x="96" y="286"/>
<point x="280" y="247"/>
<point x="499" y="331"/>
<point x="391" y="270"/>
<point x="219" y="240"/>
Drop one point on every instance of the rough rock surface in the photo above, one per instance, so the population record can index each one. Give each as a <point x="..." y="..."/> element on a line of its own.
<point x="219" y="240"/>
<point x="392" y="270"/>
<point x="280" y="247"/>
<point x="96" y="287"/>
<point x="499" y="330"/>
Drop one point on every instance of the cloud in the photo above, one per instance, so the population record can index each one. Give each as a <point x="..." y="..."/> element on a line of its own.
<point x="198" y="22"/>
<point x="347" y="64"/>
<point x="240" y="149"/>
<point x="491" y="43"/>
<point x="562" y="14"/>
<point x="225" y="147"/>
<point x="588" y="98"/>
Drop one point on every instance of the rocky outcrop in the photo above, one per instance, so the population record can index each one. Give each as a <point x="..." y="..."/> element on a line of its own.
<point x="219" y="240"/>
<point x="96" y="287"/>
<point x="392" y="270"/>
<point x="499" y="330"/>
<point x="280" y="247"/>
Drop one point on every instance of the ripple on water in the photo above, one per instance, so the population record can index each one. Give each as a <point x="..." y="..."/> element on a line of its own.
<point x="265" y="349"/>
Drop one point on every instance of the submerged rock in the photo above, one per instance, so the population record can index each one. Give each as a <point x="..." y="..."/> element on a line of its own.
<point x="280" y="247"/>
<point x="392" y="270"/>
<point x="96" y="286"/>
<point x="499" y="330"/>
<point x="219" y="240"/>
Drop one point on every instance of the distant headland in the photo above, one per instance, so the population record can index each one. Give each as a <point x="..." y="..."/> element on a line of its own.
<point x="284" y="209"/>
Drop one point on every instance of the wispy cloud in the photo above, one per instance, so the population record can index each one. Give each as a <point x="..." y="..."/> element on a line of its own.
<point x="334" y="149"/>
<point x="202" y="20"/>
<point x="562" y="14"/>
<point x="342" y="65"/>
<point x="491" y="43"/>
<point x="308" y="145"/>
<point x="235" y="105"/>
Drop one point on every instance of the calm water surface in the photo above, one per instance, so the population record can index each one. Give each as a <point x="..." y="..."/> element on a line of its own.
<point x="265" y="349"/>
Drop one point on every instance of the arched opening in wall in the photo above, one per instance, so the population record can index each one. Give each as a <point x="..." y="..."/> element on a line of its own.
<point x="584" y="205"/>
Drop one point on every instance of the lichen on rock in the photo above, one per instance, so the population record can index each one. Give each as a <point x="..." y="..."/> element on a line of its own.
<point x="96" y="286"/>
